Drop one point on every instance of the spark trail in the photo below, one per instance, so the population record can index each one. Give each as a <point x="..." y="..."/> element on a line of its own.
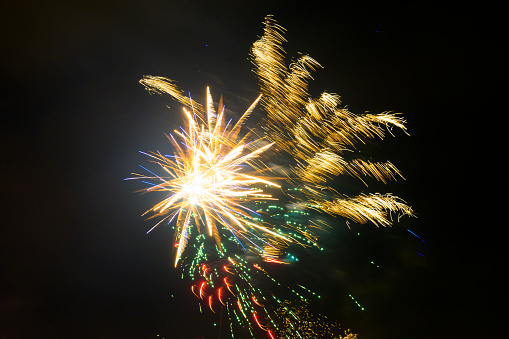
<point x="321" y="136"/>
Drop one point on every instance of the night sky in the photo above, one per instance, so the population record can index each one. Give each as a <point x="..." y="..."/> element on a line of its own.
<point x="75" y="261"/>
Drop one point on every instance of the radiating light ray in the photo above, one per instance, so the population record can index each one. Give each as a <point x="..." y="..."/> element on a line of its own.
<point x="207" y="179"/>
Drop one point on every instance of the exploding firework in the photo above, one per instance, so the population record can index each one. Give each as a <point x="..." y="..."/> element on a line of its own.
<point x="206" y="180"/>
<point x="217" y="187"/>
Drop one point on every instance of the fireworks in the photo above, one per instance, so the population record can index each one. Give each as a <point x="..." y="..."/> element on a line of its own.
<point x="321" y="136"/>
<point x="217" y="184"/>
<point x="206" y="179"/>
<point x="300" y="322"/>
<point x="247" y="293"/>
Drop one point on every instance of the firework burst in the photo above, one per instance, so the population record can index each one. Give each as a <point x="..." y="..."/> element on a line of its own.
<point x="206" y="180"/>
<point x="216" y="176"/>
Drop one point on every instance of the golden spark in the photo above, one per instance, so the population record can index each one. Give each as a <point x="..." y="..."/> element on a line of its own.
<point x="322" y="136"/>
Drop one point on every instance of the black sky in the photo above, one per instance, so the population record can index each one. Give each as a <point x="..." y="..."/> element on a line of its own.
<point x="74" y="257"/>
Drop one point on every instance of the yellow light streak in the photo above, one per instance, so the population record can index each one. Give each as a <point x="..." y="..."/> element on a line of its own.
<point x="321" y="136"/>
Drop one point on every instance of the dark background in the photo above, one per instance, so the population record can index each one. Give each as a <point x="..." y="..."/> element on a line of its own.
<point x="74" y="257"/>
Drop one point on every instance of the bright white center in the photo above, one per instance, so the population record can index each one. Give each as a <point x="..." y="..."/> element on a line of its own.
<point x="194" y="190"/>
